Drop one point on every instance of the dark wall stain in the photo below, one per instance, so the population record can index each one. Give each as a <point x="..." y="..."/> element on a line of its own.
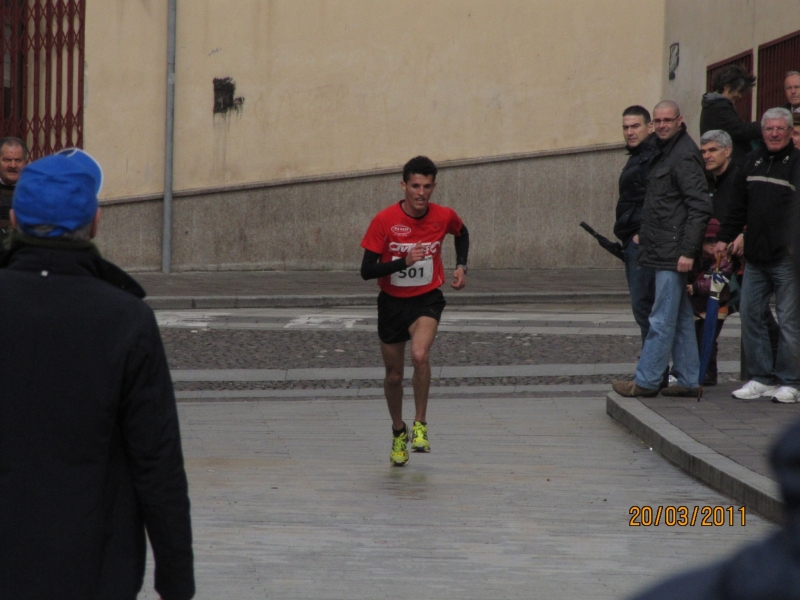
<point x="224" y="96"/>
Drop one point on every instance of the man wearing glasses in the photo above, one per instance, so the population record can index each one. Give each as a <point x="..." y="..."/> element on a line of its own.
<point x="676" y="210"/>
<point x="764" y="200"/>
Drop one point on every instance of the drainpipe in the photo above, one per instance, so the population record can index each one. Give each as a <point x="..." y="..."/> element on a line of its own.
<point x="169" y="138"/>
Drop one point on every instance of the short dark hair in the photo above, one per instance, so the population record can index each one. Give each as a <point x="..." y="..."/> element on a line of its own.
<point x="420" y="165"/>
<point x="637" y="111"/>
<point x="734" y="77"/>
<point x="15" y="141"/>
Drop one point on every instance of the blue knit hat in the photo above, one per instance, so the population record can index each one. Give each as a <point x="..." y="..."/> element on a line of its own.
<point x="57" y="194"/>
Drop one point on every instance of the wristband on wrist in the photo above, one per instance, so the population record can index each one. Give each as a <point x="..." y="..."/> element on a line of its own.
<point x="464" y="267"/>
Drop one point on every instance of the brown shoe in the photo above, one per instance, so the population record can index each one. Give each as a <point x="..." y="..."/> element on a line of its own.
<point x="676" y="390"/>
<point x="629" y="389"/>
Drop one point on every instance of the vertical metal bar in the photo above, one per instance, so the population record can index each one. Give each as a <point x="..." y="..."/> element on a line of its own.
<point x="49" y="43"/>
<point x="169" y="138"/>
<point x="69" y="118"/>
<point x="58" y="100"/>
<point x="81" y="53"/>
<point x="36" y="122"/>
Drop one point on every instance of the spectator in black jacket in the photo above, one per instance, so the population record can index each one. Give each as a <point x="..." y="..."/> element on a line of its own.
<point x="718" y="112"/>
<point x="676" y="210"/>
<point x="637" y="130"/>
<point x="90" y="452"/>
<point x="765" y="201"/>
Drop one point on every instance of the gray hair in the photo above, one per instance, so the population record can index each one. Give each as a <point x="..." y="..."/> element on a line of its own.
<point x="790" y="73"/>
<point x="717" y="135"/>
<point x="778" y="113"/>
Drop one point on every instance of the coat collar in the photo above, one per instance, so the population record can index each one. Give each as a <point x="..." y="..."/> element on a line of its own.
<point x="80" y="259"/>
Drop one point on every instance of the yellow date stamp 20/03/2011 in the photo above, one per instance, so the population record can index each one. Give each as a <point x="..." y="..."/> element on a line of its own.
<point x="682" y="516"/>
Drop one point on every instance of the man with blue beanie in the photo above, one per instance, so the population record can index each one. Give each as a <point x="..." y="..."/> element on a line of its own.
<point x="90" y="450"/>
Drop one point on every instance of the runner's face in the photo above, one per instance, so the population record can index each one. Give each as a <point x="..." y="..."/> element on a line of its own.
<point x="634" y="130"/>
<point x="417" y="190"/>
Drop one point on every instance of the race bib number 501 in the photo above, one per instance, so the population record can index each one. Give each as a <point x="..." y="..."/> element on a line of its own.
<point x="420" y="273"/>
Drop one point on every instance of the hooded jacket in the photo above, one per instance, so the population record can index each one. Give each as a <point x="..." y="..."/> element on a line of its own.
<point x="764" y="198"/>
<point x="677" y="204"/>
<point x="632" y="186"/>
<point x="767" y="570"/>
<point x="718" y="112"/>
<point x="90" y="451"/>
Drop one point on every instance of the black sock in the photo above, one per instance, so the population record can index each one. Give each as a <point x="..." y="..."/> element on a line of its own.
<point x="397" y="433"/>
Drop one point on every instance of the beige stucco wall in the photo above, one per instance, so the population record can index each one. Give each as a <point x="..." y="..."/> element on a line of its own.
<point x="713" y="30"/>
<point x="333" y="86"/>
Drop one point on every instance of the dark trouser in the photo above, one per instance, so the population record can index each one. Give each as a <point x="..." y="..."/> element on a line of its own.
<point x="711" y="371"/>
<point x="642" y="287"/>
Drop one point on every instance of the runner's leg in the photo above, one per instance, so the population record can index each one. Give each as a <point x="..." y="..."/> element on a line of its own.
<point x="423" y="333"/>
<point x="393" y="358"/>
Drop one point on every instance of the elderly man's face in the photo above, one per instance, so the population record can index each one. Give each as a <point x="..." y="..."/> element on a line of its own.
<point x="12" y="160"/>
<point x="716" y="157"/>
<point x="667" y="123"/>
<point x="777" y="133"/>
<point x="635" y="130"/>
<point x="792" y="88"/>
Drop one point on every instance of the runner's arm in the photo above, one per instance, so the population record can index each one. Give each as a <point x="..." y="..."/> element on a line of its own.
<point x="372" y="268"/>
<point x="462" y="246"/>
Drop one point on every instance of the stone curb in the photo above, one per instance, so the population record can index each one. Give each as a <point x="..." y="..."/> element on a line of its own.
<point x="758" y="493"/>
<point x="319" y="301"/>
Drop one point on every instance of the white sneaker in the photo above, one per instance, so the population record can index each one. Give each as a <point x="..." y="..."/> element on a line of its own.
<point x="786" y="395"/>
<point x="752" y="390"/>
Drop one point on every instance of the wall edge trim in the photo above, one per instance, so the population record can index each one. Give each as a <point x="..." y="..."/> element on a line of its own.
<point x="463" y="162"/>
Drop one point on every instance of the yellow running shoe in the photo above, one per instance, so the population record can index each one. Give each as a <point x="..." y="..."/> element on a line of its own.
<point x="399" y="455"/>
<point x="419" y="438"/>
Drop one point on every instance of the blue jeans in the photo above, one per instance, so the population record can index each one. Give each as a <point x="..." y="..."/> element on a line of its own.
<point x="671" y="332"/>
<point x="642" y="286"/>
<point x="760" y="281"/>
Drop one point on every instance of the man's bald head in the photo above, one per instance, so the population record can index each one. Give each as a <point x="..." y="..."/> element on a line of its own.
<point x="669" y="104"/>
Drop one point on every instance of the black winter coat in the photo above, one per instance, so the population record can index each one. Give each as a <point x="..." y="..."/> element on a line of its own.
<point x="719" y="113"/>
<point x="767" y="570"/>
<point x="632" y="186"/>
<point x="677" y="205"/>
<point x="90" y="451"/>
<point x="722" y="191"/>
<point x="764" y="199"/>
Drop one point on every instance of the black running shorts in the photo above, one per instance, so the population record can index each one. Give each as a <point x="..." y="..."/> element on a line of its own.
<point x="396" y="315"/>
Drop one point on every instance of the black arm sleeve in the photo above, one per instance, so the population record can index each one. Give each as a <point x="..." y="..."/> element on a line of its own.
<point x="372" y="268"/>
<point x="462" y="246"/>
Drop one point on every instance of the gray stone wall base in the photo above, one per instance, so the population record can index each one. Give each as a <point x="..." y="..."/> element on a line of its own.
<point x="521" y="213"/>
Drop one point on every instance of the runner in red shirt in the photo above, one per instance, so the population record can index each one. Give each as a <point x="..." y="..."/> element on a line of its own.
<point x="403" y="250"/>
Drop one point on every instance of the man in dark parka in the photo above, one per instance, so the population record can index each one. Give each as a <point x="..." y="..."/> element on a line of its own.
<point x="90" y="451"/>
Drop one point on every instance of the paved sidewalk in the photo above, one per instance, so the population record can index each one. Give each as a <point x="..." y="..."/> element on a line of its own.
<point x="723" y="441"/>
<point x="274" y="289"/>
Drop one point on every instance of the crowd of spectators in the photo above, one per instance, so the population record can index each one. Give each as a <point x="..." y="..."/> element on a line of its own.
<point x="726" y="207"/>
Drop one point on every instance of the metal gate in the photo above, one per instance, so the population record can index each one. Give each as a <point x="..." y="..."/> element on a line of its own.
<point x="42" y="73"/>
<point x="775" y="58"/>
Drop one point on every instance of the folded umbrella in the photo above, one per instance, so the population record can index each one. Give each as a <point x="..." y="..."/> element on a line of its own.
<point x="614" y="247"/>
<point x="718" y="283"/>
